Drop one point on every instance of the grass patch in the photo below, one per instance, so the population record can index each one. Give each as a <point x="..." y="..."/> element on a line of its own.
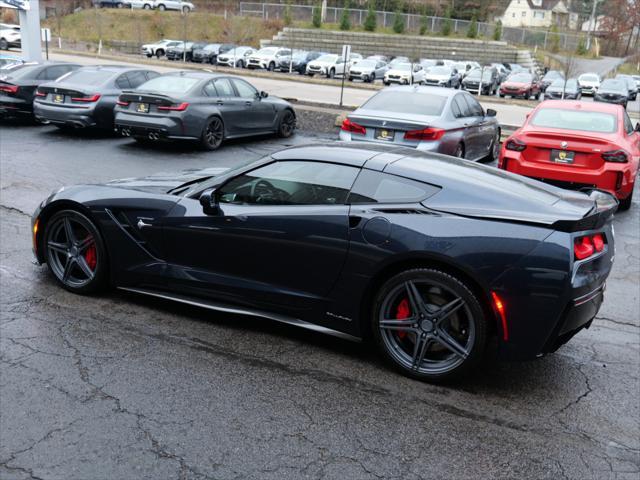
<point x="141" y="26"/>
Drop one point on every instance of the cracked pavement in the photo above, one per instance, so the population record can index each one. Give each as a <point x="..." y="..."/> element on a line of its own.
<point x="119" y="387"/>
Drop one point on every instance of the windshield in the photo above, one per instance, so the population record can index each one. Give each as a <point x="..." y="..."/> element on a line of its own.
<point x="328" y="58"/>
<point x="521" y="78"/>
<point x="552" y="75"/>
<point x="404" y="102"/>
<point x="212" y="47"/>
<point x="21" y="71"/>
<point x="267" y="51"/>
<point x="169" y="84"/>
<point x="575" y="120"/>
<point x="475" y="75"/>
<point x="403" y="67"/>
<point x="589" y="78"/>
<point x="367" y="64"/>
<point x="440" y="71"/>
<point x="89" y="77"/>
<point x="615" y="85"/>
<point x="559" y="83"/>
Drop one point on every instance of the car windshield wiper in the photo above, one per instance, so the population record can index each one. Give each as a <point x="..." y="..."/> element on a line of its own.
<point x="184" y="186"/>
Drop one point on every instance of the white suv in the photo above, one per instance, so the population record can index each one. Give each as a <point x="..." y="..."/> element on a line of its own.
<point x="329" y="65"/>
<point x="267" y="57"/>
<point x="10" y="37"/>
<point x="174" y="5"/>
<point x="159" y="48"/>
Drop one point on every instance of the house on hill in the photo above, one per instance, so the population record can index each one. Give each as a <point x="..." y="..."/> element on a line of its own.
<point x="538" y="14"/>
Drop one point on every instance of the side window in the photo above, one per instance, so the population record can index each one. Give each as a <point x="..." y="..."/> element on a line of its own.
<point x="462" y="106"/>
<point x="291" y="183"/>
<point x="474" y="106"/>
<point x="149" y="74"/>
<point x="224" y="88"/>
<point x="53" y="73"/>
<point x="378" y="187"/>
<point x="244" y="89"/>
<point x="209" y="90"/>
<point x="123" y="82"/>
<point x="628" y="124"/>
<point x="136" y="78"/>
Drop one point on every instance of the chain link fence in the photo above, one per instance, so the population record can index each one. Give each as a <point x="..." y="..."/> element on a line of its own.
<point x="434" y="25"/>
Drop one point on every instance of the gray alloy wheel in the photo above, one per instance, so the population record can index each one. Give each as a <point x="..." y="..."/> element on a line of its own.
<point x="331" y="74"/>
<point x="459" y="152"/>
<point x="271" y="67"/>
<point x="75" y="252"/>
<point x="213" y="133"/>
<point x="240" y="64"/>
<point x="162" y="8"/>
<point x="159" y="53"/>
<point x="429" y="324"/>
<point x="494" y="151"/>
<point x="147" y="6"/>
<point x="287" y="124"/>
<point x="4" y="45"/>
<point x="185" y="9"/>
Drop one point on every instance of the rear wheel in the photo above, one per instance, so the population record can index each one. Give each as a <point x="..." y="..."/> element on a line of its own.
<point x="626" y="203"/>
<point x="159" y="53"/>
<point x="213" y="134"/>
<point x="240" y="64"/>
<point x="287" y="124"/>
<point x="331" y="74"/>
<point x="147" y="6"/>
<point x="162" y="8"/>
<point x="459" y="152"/>
<point x="429" y="325"/>
<point x="271" y="67"/>
<point x="186" y="10"/>
<point x="494" y="151"/>
<point x="75" y="252"/>
<point x="4" y="45"/>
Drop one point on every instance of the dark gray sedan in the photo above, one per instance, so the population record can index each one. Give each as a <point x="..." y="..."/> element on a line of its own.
<point x="427" y="118"/>
<point x="201" y="106"/>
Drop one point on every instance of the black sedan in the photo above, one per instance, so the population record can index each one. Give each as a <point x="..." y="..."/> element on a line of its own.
<point x="563" y="89"/>
<point x="18" y="85"/>
<point x="298" y="63"/>
<point x="201" y="106"/>
<point x="86" y="97"/>
<point x="612" y="91"/>
<point x="428" y="255"/>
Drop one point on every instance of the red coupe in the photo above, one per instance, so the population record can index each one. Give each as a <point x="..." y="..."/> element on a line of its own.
<point x="521" y="84"/>
<point x="577" y="145"/>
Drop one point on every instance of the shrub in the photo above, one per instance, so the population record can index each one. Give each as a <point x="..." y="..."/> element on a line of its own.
<point x="345" y="23"/>
<point x="317" y="15"/>
<point x="497" y="31"/>
<point x="287" y="14"/>
<point x="371" y="20"/>
<point x="554" y="40"/>
<point x="446" y="25"/>
<point x="424" y="22"/>
<point x="398" y="21"/>
<point x="472" y="31"/>
<point x="581" y="49"/>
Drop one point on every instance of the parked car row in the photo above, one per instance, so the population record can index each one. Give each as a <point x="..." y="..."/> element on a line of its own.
<point x="162" y="5"/>
<point x="10" y="36"/>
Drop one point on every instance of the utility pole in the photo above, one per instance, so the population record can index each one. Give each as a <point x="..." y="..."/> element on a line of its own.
<point x="592" y="23"/>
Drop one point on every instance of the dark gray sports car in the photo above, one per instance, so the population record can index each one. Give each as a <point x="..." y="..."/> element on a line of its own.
<point x="201" y="106"/>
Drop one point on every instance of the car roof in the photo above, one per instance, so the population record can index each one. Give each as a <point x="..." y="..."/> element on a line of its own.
<point x="580" y="105"/>
<point x="194" y="74"/>
<point x="442" y="92"/>
<point x="113" y="68"/>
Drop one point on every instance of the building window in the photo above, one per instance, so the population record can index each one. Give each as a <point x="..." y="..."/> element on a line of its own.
<point x="513" y="14"/>
<point x="539" y="15"/>
<point x="524" y="14"/>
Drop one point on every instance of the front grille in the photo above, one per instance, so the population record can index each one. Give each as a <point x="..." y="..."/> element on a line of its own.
<point x="432" y="82"/>
<point x="394" y="77"/>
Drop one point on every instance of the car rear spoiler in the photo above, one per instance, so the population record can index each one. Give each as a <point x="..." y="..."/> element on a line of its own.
<point x="604" y="206"/>
<point x="146" y="97"/>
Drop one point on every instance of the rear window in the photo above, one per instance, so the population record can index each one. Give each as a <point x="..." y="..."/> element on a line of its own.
<point x="407" y="102"/>
<point x="585" y="121"/>
<point x="521" y="77"/>
<point x="89" y="77"/>
<point x="22" y="71"/>
<point x="169" y="84"/>
<point x="614" y="85"/>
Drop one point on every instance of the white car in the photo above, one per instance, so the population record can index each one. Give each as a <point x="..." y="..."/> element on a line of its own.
<point x="267" y="57"/>
<point x="402" y="73"/>
<point x="142" y="4"/>
<point x="236" y="57"/>
<point x="10" y="37"/>
<point x="589" y="83"/>
<point x="159" y="48"/>
<point x="178" y="5"/>
<point x="329" y="65"/>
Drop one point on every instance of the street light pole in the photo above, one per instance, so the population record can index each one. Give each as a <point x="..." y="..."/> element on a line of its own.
<point x="592" y="20"/>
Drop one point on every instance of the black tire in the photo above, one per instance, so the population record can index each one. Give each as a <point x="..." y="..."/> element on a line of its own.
<point x="423" y="344"/>
<point x="185" y="10"/>
<point x="159" y="53"/>
<point x="287" y="125"/>
<point x="626" y="203"/>
<point x="459" y="151"/>
<point x="146" y="7"/>
<point x="271" y="67"/>
<point x="501" y="95"/>
<point x="212" y="134"/>
<point x="161" y="7"/>
<point x="4" y="45"/>
<point x="386" y="83"/>
<point x="494" y="151"/>
<point x="75" y="252"/>
<point x="331" y="73"/>
<point x="240" y="64"/>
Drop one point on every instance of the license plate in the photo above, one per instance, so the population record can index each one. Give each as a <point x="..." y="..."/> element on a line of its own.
<point x="58" y="98"/>
<point x="562" y="156"/>
<point x="384" y="134"/>
<point x="142" y="108"/>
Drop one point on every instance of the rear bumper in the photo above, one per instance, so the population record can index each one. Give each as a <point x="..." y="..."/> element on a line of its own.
<point x="608" y="178"/>
<point x="166" y="127"/>
<point x="79" y="117"/>
<point x="15" y="106"/>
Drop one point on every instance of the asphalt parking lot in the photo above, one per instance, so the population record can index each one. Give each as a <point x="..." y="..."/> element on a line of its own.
<point x="123" y="387"/>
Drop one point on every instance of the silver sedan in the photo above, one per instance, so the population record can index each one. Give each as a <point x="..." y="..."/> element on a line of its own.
<point x="427" y="118"/>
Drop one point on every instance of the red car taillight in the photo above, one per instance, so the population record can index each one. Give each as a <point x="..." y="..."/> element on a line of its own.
<point x="616" y="156"/>
<point x="515" y="145"/>
<point x="40" y="94"/>
<point x="122" y="103"/>
<point x="175" y="108"/>
<point x="12" y="89"/>
<point x="353" y="127"/>
<point x="428" y="133"/>
<point x="91" y="99"/>
<point x="584" y="247"/>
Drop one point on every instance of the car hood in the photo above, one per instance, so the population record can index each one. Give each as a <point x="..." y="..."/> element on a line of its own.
<point x="515" y="84"/>
<point x="316" y="63"/>
<point x="164" y="182"/>
<point x="363" y="69"/>
<point x="399" y="72"/>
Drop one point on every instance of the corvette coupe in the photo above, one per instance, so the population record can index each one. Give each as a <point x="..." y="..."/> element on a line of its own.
<point x="427" y="255"/>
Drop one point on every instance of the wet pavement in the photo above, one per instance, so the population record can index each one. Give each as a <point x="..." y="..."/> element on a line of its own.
<point x="120" y="387"/>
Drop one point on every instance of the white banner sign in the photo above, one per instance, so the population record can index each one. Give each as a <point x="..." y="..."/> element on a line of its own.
<point x="19" y="4"/>
<point x="45" y="34"/>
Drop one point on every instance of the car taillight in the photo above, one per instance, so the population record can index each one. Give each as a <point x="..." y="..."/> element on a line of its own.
<point x="175" y="108"/>
<point x="40" y="94"/>
<point x="515" y="145"/>
<point x="585" y="247"/>
<point x="617" y="156"/>
<point x="353" y="127"/>
<point x="91" y="99"/>
<point x="13" y="89"/>
<point x="428" y="133"/>
<point x="122" y="103"/>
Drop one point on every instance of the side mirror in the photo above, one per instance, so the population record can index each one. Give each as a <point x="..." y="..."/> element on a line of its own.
<point x="263" y="94"/>
<point x="491" y="112"/>
<point x="209" y="202"/>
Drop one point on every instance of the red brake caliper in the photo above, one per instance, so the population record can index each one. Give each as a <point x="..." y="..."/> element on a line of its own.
<point x="91" y="256"/>
<point x="403" y="311"/>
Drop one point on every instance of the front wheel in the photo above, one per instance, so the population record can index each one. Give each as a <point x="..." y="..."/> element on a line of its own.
<point x="287" y="124"/>
<point x="240" y="64"/>
<point x="331" y="74"/>
<point x="75" y="252"/>
<point x="147" y="6"/>
<point x="271" y="67"/>
<point x="159" y="53"/>
<point x="213" y="134"/>
<point x="4" y="45"/>
<point x="494" y="150"/>
<point x="429" y="324"/>
<point x="459" y="151"/>
<point x="162" y="8"/>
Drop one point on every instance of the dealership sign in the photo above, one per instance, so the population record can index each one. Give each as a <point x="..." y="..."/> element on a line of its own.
<point x="19" y="4"/>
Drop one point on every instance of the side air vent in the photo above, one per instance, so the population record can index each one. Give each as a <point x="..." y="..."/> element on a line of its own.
<point x="124" y="222"/>
<point x="413" y="211"/>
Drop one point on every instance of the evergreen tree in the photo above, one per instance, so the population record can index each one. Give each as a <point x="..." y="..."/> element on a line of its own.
<point x="446" y="25"/>
<point x="345" y="22"/>
<point x="398" y="21"/>
<point x="472" y="31"/>
<point x="287" y="14"/>
<point x="371" y="20"/>
<point x="317" y="15"/>
<point x="424" y="22"/>
<point x="554" y="40"/>
<point x="497" y="31"/>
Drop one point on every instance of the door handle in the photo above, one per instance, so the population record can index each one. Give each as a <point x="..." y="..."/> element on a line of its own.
<point x="248" y="103"/>
<point x="219" y="102"/>
<point x="141" y="224"/>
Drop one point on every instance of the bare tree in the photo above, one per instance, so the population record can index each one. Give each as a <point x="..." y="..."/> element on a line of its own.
<point x="569" y="67"/>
